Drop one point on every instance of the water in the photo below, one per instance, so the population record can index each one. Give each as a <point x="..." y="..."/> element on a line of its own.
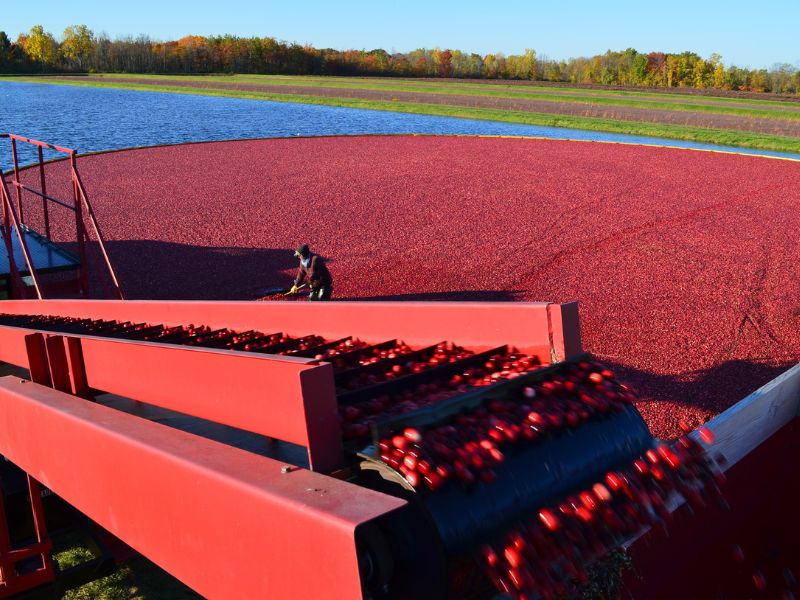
<point x="90" y="119"/>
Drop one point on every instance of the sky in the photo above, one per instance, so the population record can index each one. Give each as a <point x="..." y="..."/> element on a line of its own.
<point x="748" y="34"/>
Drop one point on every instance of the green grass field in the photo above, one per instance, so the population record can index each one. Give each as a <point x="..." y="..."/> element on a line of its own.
<point x="137" y="579"/>
<point x="742" y="117"/>
<point x="641" y="99"/>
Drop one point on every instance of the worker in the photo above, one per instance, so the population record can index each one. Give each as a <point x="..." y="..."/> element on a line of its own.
<point x="312" y="267"/>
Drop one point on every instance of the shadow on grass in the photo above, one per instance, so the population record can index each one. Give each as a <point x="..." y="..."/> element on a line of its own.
<point x="137" y="579"/>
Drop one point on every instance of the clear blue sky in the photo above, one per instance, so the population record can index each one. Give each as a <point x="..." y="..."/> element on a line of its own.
<point x="749" y="34"/>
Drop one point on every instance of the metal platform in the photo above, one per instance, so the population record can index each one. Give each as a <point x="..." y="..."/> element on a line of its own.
<point x="47" y="256"/>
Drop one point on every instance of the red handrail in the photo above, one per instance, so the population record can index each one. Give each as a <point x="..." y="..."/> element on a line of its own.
<point x="79" y="200"/>
<point x="41" y="144"/>
<point x="96" y="227"/>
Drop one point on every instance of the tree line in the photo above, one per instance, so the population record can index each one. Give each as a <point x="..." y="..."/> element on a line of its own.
<point x="81" y="50"/>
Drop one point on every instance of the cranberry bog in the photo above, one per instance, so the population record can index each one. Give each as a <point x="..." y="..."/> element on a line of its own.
<point x="685" y="264"/>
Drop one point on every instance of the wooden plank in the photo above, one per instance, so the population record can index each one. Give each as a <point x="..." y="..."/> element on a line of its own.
<point x="749" y="422"/>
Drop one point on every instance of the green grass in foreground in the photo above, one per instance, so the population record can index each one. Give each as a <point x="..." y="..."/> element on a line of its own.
<point x="138" y="579"/>
<point x="726" y="137"/>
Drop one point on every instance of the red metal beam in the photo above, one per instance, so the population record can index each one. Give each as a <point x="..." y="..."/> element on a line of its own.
<point x="291" y="399"/>
<point x="539" y="328"/>
<point x="222" y="520"/>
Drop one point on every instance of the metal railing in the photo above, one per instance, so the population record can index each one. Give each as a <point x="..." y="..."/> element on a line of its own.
<point x="80" y="202"/>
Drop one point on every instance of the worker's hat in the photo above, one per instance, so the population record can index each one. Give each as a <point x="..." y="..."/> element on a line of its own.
<point x="302" y="251"/>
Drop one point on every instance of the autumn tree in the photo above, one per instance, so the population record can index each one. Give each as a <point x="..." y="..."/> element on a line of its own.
<point x="5" y="49"/>
<point x="718" y="79"/>
<point x="783" y="78"/>
<point x="443" y="61"/>
<point x="524" y="65"/>
<point x="552" y="70"/>
<point x="77" y="45"/>
<point x="656" y="69"/>
<point x="81" y="49"/>
<point x="40" y="46"/>
<point x="639" y="69"/>
<point x="758" y="80"/>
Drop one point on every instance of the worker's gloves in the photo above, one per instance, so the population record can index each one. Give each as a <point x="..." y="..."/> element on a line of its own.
<point x="293" y="291"/>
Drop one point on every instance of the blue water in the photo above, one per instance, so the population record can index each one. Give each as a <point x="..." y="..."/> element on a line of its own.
<point x="90" y="119"/>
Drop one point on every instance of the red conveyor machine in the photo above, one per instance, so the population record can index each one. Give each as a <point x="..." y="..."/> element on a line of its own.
<point x="330" y="450"/>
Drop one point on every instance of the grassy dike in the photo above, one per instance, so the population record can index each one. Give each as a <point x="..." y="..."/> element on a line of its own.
<point x="524" y="90"/>
<point x="726" y="137"/>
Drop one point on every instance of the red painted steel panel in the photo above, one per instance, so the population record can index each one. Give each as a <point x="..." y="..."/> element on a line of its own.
<point x="480" y="325"/>
<point x="13" y="346"/>
<point x="245" y="390"/>
<point x="259" y="393"/>
<point x="222" y="520"/>
<point x="291" y="399"/>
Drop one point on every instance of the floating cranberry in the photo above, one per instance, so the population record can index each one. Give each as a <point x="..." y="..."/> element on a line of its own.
<point x="490" y="556"/>
<point x="413" y="478"/>
<point x="759" y="581"/>
<point x="513" y="556"/>
<point x="706" y="435"/>
<point x="549" y="519"/>
<point x="399" y="441"/>
<point x="433" y="481"/>
<point x="413" y="435"/>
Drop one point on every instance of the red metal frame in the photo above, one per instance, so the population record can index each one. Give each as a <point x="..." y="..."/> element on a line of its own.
<point x="284" y="533"/>
<point x="12" y="582"/>
<point x="80" y="202"/>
